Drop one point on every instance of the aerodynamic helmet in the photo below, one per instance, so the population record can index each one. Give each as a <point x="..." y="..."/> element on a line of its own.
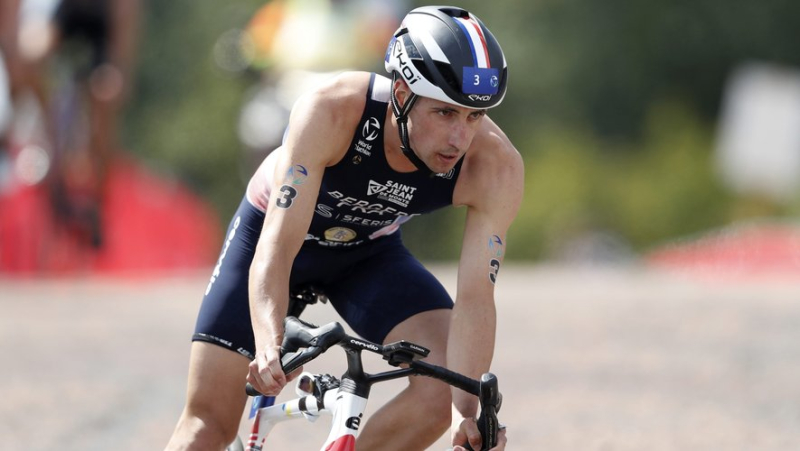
<point x="446" y="53"/>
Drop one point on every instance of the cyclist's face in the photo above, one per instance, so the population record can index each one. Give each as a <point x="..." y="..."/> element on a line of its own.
<point x="440" y="133"/>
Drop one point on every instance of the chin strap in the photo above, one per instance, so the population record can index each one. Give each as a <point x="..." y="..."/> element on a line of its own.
<point x="401" y="116"/>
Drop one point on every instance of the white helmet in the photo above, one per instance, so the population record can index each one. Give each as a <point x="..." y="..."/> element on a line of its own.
<point x="446" y="53"/>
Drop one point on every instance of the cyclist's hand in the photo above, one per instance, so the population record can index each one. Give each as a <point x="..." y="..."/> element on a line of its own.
<point x="265" y="372"/>
<point x="468" y="431"/>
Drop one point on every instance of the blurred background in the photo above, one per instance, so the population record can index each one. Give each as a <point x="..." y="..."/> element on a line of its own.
<point x="661" y="139"/>
<point x="666" y="132"/>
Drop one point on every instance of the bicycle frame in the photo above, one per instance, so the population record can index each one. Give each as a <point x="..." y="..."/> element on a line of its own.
<point x="347" y="410"/>
<point x="346" y="400"/>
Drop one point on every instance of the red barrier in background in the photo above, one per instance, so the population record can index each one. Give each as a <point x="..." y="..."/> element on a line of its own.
<point x="150" y="225"/>
<point x="756" y="249"/>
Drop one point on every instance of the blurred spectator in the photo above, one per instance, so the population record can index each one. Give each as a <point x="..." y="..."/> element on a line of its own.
<point x="23" y="137"/>
<point x="88" y="63"/>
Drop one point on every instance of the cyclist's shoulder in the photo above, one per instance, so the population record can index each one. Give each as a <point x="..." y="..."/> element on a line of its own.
<point x="492" y="166"/>
<point x="338" y="100"/>
<point x="323" y="120"/>
<point x="345" y="90"/>
<point x="492" y="150"/>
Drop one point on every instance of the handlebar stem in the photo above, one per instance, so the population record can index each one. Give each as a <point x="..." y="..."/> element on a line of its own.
<point x="361" y="383"/>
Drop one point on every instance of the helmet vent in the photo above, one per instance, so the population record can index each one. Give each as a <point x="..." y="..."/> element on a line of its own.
<point x="411" y="49"/>
<point x="446" y="71"/>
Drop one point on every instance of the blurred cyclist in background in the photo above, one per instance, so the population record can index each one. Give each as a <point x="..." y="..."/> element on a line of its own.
<point x="75" y="59"/>
<point x="65" y="72"/>
<point x="94" y="42"/>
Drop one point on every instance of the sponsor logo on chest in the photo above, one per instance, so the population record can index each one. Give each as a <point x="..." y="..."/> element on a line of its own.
<point x="390" y="191"/>
<point x="369" y="132"/>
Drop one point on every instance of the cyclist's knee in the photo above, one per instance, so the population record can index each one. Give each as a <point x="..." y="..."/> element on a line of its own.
<point x="436" y="398"/>
<point x="200" y="429"/>
<point x="216" y="399"/>
<point x="441" y="412"/>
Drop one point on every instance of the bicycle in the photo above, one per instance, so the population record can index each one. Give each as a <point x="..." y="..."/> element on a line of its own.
<point x="346" y="398"/>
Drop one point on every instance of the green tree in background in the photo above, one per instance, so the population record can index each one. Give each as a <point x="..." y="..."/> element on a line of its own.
<point x="184" y="115"/>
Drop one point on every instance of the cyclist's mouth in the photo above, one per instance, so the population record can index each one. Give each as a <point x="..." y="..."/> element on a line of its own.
<point x="447" y="159"/>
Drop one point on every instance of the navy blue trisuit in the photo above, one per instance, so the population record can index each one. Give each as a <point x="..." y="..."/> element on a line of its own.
<point x="353" y="250"/>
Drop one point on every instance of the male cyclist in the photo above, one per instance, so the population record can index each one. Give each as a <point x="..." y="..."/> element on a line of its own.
<point x="362" y="155"/>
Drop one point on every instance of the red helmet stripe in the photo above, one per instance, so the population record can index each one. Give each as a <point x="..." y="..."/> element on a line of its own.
<point x="477" y="41"/>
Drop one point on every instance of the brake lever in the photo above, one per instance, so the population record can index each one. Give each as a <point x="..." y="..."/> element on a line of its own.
<point x="491" y="400"/>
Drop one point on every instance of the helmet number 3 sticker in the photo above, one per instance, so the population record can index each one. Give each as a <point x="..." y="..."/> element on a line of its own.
<point x="478" y="80"/>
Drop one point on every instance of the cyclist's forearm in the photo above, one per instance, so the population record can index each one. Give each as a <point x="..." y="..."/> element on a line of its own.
<point x="269" y="295"/>
<point x="470" y="347"/>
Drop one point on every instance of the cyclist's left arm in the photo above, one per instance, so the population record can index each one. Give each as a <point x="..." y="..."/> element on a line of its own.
<point x="491" y="187"/>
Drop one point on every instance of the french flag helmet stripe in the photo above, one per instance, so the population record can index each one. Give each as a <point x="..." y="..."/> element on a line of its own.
<point x="477" y="42"/>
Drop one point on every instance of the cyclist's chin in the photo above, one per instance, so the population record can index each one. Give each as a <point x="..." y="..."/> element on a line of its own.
<point x="441" y="164"/>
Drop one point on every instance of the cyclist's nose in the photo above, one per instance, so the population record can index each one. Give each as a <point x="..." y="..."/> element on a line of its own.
<point x="459" y="136"/>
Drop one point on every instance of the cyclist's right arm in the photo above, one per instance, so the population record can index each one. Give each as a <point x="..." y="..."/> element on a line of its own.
<point x="320" y="130"/>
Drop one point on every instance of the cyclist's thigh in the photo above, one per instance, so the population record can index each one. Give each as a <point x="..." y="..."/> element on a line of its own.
<point x="223" y="339"/>
<point x="387" y="289"/>
<point x="224" y="317"/>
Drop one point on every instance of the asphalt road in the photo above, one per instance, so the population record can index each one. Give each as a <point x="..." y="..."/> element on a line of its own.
<point x="588" y="359"/>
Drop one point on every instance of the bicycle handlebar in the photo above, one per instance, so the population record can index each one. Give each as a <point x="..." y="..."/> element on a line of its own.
<point x="486" y="390"/>
<point x="303" y="342"/>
